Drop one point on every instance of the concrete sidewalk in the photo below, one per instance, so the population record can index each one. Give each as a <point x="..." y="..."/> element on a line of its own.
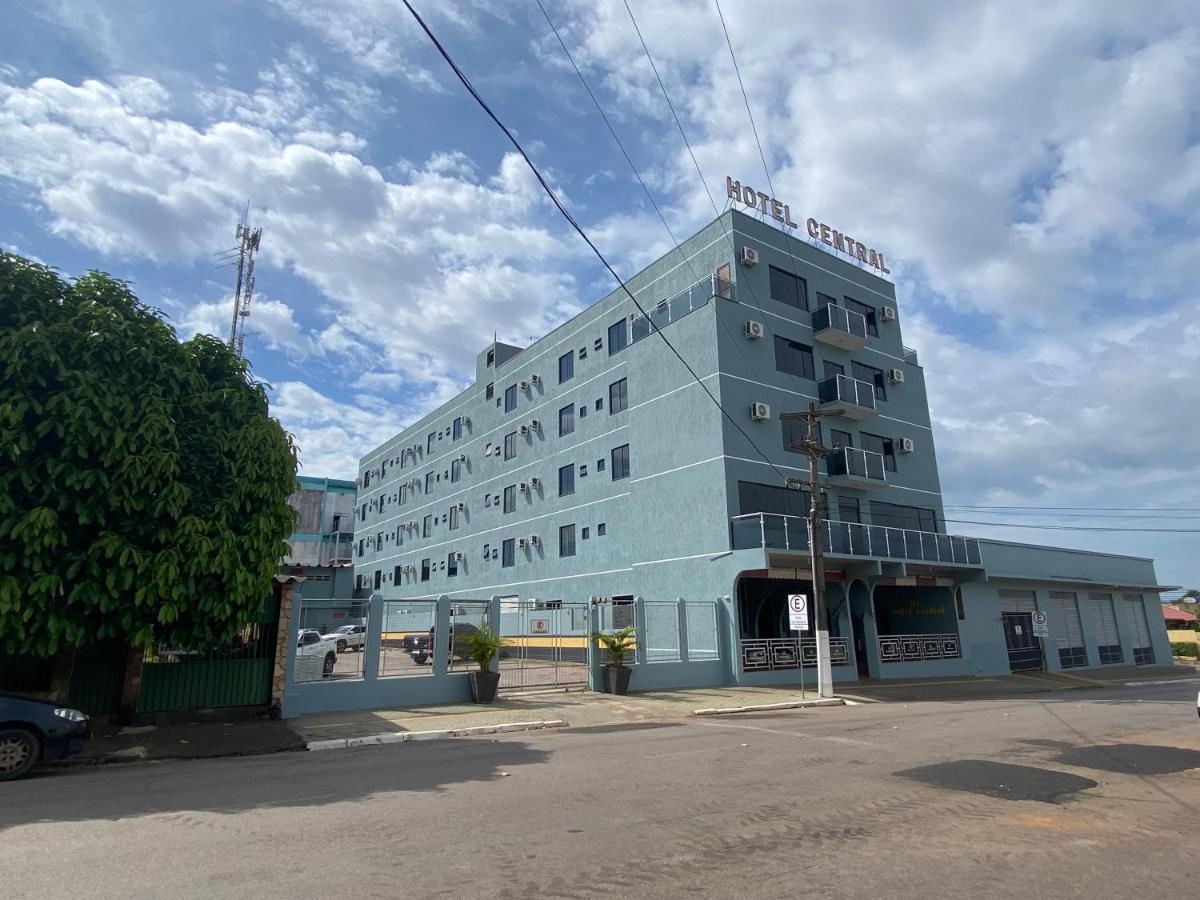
<point x="579" y="709"/>
<point x="231" y="735"/>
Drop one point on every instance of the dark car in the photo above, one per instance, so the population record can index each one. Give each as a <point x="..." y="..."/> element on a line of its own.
<point x="423" y="653"/>
<point x="34" y="730"/>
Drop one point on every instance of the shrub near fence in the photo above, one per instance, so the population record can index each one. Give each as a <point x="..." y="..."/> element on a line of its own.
<point x="1183" y="648"/>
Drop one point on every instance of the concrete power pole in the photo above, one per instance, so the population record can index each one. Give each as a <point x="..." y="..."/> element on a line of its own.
<point x="812" y="448"/>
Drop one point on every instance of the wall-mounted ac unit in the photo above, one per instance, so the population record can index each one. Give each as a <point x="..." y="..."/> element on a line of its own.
<point x="754" y="330"/>
<point x="521" y="542"/>
<point x="466" y="420"/>
<point x="760" y="411"/>
<point x="536" y="379"/>
<point x="524" y="487"/>
<point x="524" y="385"/>
<point x="534" y="481"/>
<point x="461" y="506"/>
<point x="533" y="540"/>
<point x="896" y="376"/>
<point x="524" y="429"/>
<point x="749" y="256"/>
<point x="458" y="556"/>
<point x="905" y="445"/>
<point x="888" y="313"/>
<point x="535" y="424"/>
<point x="462" y="457"/>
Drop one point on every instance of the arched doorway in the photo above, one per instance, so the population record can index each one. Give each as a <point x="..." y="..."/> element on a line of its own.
<point x="861" y="616"/>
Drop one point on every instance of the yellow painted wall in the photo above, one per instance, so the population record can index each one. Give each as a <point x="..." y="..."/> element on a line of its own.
<point x="1183" y="635"/>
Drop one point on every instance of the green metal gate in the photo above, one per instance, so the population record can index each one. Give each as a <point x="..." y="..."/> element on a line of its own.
<point x="238" y="675"/>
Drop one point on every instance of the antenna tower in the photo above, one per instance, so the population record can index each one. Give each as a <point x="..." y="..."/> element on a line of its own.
<point x="248" y="241"/>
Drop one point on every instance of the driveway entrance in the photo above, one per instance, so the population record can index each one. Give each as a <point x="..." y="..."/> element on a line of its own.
<point x="547" y="645"/>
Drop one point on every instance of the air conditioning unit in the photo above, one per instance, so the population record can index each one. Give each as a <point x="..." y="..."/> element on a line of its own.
<point x="466" y="420"/>
<point x="888" y="313"/>
<point x="533" y="540"/>
<point x="524" y="487"/>
<point x="462" y="457"/>
<point x="524" y="385"/>
<point x="754" y="330"/>
<point x="461" y="506"/>
<point x="536" y="379"/>
<point x="535" y="424"/>
<point x="521" y="543"/>
<point x="749" y="256"/>
<point x="412" y="526"/>
<point x="760" y="411"/>
<point x="905" y="445"/>
<point x="896" y="376"/>
<point x="534" y="481"/>
<point x="458" y="556"/>
<point x="524" y="429"/>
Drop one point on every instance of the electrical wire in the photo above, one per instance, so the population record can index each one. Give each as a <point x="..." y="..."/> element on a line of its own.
<point x="1099" y="508"/>
<point x="1074" y="527"/>
<point x="1056" y="515"/>
<point x="466" y="82"/>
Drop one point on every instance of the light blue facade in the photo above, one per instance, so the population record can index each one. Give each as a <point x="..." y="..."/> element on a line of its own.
<point x="669" y="501"/>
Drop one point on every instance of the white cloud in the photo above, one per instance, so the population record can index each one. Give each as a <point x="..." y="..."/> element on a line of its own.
<point x="332" y="436"/>
<point x="271" y="323"/>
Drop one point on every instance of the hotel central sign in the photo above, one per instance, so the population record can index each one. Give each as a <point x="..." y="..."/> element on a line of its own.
<point x="818" y="231"/>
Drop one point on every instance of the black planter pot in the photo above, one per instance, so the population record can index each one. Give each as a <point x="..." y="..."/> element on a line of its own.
<point x="484" y="685"/>
<point x="616" y="679"/>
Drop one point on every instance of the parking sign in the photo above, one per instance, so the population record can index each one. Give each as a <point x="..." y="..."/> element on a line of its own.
<point x="798" y="612"/>
<point x="1040" y="628"/>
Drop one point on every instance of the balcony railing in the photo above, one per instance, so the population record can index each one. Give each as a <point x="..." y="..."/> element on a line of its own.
<point x="770" y="654"/>
<point x="852" y="467"/>
<point x="674" y="308"/>
<point x="772" y="531"/>
<point x="910" y="356"/>
<point x="856" y="398"/>
<point x="918" y="647"/>
<point x="841" y="327"/>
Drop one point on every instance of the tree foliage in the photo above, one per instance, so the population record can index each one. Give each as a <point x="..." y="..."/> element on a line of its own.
<point x="143" y="485"/>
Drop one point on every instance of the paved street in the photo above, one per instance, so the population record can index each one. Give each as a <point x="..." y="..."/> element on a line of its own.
<point x="1092" y="792"/>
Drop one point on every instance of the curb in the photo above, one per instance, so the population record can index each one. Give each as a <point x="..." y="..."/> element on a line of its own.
<point x="404" y="737"/>
<point x="767" y="707"/>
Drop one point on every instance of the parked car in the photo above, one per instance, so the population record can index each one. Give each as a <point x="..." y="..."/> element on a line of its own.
<point x="417" y="641"/>
<point x="348" y="637"/>
<point x="34" y="730"/>
<point x="310" y="643"/>
<point x="424" y="655"/>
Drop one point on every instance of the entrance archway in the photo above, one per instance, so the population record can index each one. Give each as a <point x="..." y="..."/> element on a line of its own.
<point x="862" y="623"/>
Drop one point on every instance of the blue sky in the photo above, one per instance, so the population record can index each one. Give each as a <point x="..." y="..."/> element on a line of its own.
<point x="1032" y="173"/>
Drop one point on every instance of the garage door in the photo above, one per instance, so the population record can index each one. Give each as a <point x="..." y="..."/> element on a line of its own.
<point x="1108" y="641"/>
<point x="1068" y="632"/>
<point x="1139" y="629"/>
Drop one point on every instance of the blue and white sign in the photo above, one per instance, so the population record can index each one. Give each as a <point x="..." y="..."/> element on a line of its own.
<point x="798" y="612"/>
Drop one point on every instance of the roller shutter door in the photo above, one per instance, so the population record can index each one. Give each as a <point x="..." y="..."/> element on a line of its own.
<point x="1139" y="629"/>
<point x="1108" y="640"/>
<point x="1064" y="608"/>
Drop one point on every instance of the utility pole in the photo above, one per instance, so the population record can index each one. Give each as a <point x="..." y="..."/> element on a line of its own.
<point x="812" y="448"/>
<point x="248" y="241"/>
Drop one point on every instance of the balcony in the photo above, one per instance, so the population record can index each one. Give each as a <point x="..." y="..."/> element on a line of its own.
<point x="851" y="540"/>
<point x="840" y="327"/>
<point x="858" y="469"/>
<point x="676" y="307"/>
<point x="856" y="399"/>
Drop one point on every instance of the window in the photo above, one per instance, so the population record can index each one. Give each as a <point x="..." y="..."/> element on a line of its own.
<point x="429" y="441"/>
<point x="882" y="445"/>
<point x="832" y="369"/>
<point x="508" y="553"/>
<point x="427" y="527"/>
<point x="793" y="358"/>
<point x="599" y="404"/>
<point x="363" y="514"/>
<point x="620" y="462"/>
<point x="566" y="367"/>
<point x="456" y="429"/>
<point x="491" y="357"/>
<point x="824" y="300"/>
<point x="403" y="459"/>
<point x="892" y="515"/>
<point x="490" y="391"/>
<point x="725" y="281"/>
<point x="618" y="336"/>
<point x="848" y="509"/>
<point x="583" y="533"/>
<point x="428" y="482"/>
<point x="618" y="396"/>
<point x="566" y="540"/>
<point x="788" y="288"/>
<point x="601" y="530"/>
<point x="455" y="470"/>
<point x="396" y="574"/>
<point x="600" y="465"/>
<point x="424" y="570"/>
<point x="583" y="412"/>
<point x="769" y="498"/>
<point x="510" y="398"/>
<point x="583" y="470"/>
<point x="378" y="578"/>
<point x="453" y="517"/>
<point x="794" y="431"/>
<point x="362" y="545"/>
<point x="451" y="565"/>
<point x="510" y="498"/>
<point x="403" y="494"/>
<point x="566" y="420"/>
<point x="841" y="439"/>
<point x="870" y="375"/>
<point x="566" y="480"/>
<point x="510" y="445"/>
<point x="867" y="312"/>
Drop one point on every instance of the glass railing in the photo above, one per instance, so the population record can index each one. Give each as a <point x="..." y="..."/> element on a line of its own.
<point x="839" y="319"/>
<point x="910" y="356"/>
<point x="772" y="531"/>
<point x="690" y="299"/>
<point x="844" y="389"/>
<point x="857" y="463"/>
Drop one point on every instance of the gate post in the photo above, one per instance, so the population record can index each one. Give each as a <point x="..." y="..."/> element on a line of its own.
<point x="441" y="633"/>
<point x="639" y="624"/>
<point x="681" y="612"/>
<point x="374" y="637"/>
<point x="493" y="620"/>
<point x="285" y="640"/>
<point x="595" y="676"/>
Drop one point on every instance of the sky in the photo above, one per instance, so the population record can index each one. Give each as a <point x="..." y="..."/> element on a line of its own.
<point x="1031" y="171"/>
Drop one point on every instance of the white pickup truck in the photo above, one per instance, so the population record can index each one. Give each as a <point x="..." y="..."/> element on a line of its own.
<point x="316" y="656"/>
<point x="348" y="637"/>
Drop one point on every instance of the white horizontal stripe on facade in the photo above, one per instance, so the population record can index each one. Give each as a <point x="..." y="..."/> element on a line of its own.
<point x="509" y="584"/>
<point x="800" y="324"/>
<point x="814" y="398"/>
<point x="679" y="468"/>
<point x="655" y="562"/>
<point x="514" y="526"/>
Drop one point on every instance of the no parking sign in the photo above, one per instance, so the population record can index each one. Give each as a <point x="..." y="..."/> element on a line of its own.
<point x="1040" y="628"/>
<point x="798" y="612"/>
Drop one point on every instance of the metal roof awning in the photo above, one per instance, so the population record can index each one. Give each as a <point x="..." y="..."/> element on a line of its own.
<point x="1087" y="582"/>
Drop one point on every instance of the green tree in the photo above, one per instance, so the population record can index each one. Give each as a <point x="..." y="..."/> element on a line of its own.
<point x="143" y="485"/>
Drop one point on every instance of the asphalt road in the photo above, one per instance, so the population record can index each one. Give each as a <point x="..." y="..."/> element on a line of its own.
<point x="1078" y="793"/>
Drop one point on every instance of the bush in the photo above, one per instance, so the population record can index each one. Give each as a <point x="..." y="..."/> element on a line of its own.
<point x="1183" y="648"/>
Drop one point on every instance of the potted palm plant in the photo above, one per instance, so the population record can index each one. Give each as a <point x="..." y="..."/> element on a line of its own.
<point x="481" y="647"/>
<point x="619" y="645"/>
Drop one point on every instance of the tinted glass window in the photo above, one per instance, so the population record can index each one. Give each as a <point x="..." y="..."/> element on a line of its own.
<point x="867" y="312"/>
<point x="841" y="438"/>
<point x="508" y="552"/>
<point x="793" y="358"/>
<point x="618" y="396"/>
<point x="451" y="566"/>
<point x="848" y="510"/>
<point x="870" y="375"/>
<point x="794" y="431"/>
<point x="788" y="288"/>
<point x="566" y="540"/>
<point x="620" y="462"/>
<point x="618" y="337"/>
<point x="427" y="526"/>
<point x="510" y="498"/>
<point x="510" y="445"/>
<point x="895" y="516"/>
<point x="566" y="420"/>
<point x="566" y="480"/>
<point x="566" y="367"/>
<point x="510" y="398"/>
<point x="455" y="470"/>
<point x="882" y="445"/>
<point x="456" y="429"/>
<point x="769" y="498"/>
<point x="424" y="570"/>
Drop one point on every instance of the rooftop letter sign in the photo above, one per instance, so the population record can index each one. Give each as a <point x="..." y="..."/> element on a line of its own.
<point x="819" y="231"/>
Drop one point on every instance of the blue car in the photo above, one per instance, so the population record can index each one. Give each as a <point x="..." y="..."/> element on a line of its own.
<point x="33" y="730"/>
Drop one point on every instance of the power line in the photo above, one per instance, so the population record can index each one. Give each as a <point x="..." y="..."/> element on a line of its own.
<point x="1100" y="508"/>
<point x="466" y="82"/>
<point x="1058" y="515"/>
<point x="1074" y="527"/>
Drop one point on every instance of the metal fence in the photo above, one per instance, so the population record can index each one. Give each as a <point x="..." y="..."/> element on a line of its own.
<point x="770" y="654"/>
<point x="918" y="647"/>
<point x="330" y="639"/>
